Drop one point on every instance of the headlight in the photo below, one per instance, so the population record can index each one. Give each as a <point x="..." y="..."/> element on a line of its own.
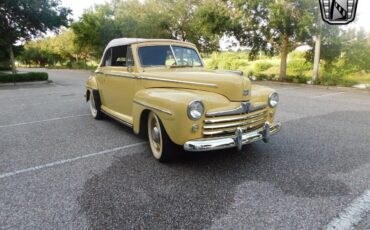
<point x="273" y="100"/>
<point x="195" y="110"/>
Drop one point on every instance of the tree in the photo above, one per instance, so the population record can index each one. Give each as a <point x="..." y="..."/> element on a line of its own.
<point x="24" y="19"/>
<point x="95" y="29"/>
<point x="212" y="20"/>
<point x="356" y="50"/>
<point x="277" y="26"/>
<point x="331" y="44"/>
<point x="202" y="22"/>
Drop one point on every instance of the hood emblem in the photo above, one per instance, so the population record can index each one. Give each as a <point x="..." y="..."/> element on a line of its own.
<point x="245" y="107"/>
<point x="245" y="92"/>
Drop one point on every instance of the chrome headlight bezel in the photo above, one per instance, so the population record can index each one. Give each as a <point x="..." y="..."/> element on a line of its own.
<point x="273" y="100"/>
<point x="195" y="110"/>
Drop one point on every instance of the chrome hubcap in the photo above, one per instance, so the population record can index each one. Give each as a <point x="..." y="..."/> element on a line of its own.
<point x="155" y="135"/>
<point x="92" y="106"/>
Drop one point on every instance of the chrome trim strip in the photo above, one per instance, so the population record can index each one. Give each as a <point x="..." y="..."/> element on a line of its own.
<point x="245" y="107"/>
<point x="152" y="107"/>
<point x="117" y="119"/>
<point x="228" y="125"/>
<point x="231" y="141"/>
<point x="178" y="81"/>
<point x="228" y="131"/>
<point x="120" y="75"/>
<point x="237" y="111"/>
<point x="229" y="119"/>
<point x="256" y="108"/>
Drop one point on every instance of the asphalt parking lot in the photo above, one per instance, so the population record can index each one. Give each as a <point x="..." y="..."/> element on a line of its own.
<point x="61" y="169"/>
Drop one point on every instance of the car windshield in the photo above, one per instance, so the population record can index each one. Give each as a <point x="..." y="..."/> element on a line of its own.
<point x="168" y="55"/>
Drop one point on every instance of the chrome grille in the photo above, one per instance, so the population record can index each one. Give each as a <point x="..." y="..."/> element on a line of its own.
<point x="226" y="125"/>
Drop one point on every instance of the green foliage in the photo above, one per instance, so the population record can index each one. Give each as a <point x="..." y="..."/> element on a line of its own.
<point x="334" y="77"/>
<point x="25" y="18"/>
<point x="51" y="51"/>
<point x="202" y="22"/>
<point x="228" y="61"/>
<point x="24" y="77"/>
<point x="331" y="44"/>
<point x="266" y="25"/>
<point x="262" y="66"/>
<point x="357" y="54"/>
<point x="299" y="65"/>
<point x="274" y="26"/>
<point x="95" y="29"/>
<point x="299" y="78"/>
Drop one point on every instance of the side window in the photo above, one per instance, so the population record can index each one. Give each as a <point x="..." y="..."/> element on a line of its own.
<point x="119" y="56"/>
<point x="107" y="58"/>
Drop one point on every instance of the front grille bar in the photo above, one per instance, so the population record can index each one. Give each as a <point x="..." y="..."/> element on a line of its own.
<point x="230" y="119"/>
<point x="230" y="125"/>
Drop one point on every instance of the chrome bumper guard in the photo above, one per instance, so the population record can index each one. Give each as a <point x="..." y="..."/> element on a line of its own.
<point x="238" y="140"/>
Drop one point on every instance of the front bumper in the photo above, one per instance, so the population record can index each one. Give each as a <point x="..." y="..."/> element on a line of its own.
<point x="238" y="140"/>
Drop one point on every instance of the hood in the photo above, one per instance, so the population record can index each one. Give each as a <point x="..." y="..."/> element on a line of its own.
<point x="228" y="84"/>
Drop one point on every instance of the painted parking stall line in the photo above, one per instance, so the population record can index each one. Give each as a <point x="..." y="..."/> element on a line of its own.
<point x="329" y="95"/>
<point x="41" y="121"/>
<point x="41" y="103"/>
<point x="353" y="214"/>
<point x="70" y="160"/>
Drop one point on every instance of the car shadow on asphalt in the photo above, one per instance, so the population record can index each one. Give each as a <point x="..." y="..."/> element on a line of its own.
<point x="137" y="192"/>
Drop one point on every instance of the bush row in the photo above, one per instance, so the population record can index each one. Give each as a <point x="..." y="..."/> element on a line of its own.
<point x="23" y="77"/>
<point x="327" y="79"/>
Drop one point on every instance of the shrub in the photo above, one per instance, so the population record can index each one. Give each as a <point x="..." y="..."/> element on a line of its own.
<point x="334" y="79"/>
<point x="24" y="77"/>
<point x="300" y="78"/>
<point x="262" y="76"/>
<point x="299" y="65"/>
<point x="297" y="55"/>
<point x="237" y="64"/>
<point x="262" y="66"/>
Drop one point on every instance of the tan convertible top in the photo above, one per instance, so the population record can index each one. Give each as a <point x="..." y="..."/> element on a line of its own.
<point x="129" y="41"/>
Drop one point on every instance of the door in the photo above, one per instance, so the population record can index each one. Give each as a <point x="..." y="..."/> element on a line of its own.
<point x="118" y="83"/>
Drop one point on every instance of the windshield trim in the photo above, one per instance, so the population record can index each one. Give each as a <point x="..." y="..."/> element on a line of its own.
<point x="173" y="54"/>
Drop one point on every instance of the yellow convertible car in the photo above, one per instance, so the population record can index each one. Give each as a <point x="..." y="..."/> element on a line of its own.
<point x="161" y="89"/>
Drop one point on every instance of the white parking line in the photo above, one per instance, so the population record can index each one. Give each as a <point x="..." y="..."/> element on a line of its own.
<point x="328" y="95"/>
<point x="40" y="103"/>
<point x="56" y="163"/>
<point x="287" y="88"/>
<point x="46" y="120"/>
<point x="353" y="214"/>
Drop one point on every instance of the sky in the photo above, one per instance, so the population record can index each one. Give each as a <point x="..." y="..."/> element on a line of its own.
<point x="78" y="6"/>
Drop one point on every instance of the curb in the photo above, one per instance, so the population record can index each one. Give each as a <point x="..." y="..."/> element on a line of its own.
<point x="26" y="83"/>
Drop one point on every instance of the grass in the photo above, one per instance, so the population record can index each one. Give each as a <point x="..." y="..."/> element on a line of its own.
<point x="360" y="77"/>
<point x="23" y="77"/>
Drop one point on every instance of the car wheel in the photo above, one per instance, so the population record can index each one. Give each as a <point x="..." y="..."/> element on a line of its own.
<point x="161" y="145"/>
<point x="95" y="112"/>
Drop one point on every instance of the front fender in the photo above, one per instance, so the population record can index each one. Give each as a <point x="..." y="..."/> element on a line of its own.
<point x="92" y="83"/>
<point x="171" y="105"/>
